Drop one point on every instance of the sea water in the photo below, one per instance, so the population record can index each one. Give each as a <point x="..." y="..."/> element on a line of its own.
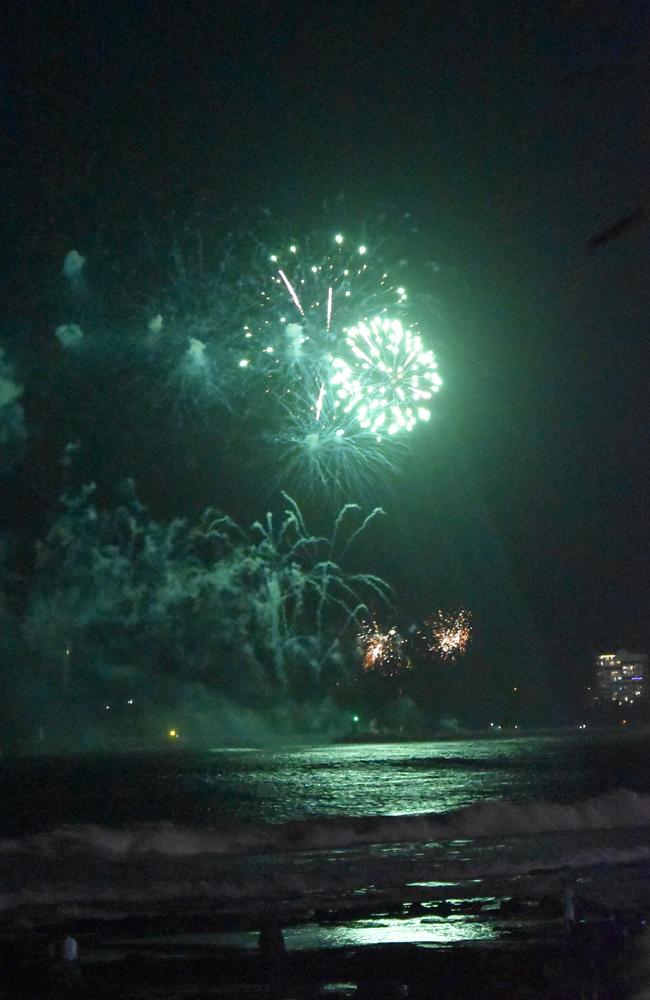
<point x="346" y="844"/>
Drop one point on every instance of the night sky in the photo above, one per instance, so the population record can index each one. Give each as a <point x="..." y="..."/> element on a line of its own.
<point x="489" y="144"/>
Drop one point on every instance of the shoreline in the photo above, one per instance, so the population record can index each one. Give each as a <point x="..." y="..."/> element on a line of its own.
<point x="530" y="955"/>
<point x="27" y="750"/>
<point x="587" y="965"/>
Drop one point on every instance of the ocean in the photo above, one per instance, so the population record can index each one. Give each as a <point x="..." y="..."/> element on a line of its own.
<point x="345" y="845"/>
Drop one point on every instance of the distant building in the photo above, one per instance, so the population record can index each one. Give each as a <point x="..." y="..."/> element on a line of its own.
<point x="621" y="677"/>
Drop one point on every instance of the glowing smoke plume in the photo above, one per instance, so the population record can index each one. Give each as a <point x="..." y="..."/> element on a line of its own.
<point x="255" y="615"/>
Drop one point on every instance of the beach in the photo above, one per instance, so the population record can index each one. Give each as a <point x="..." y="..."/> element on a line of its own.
<point x="532" y="958"/>
<point x="423" y="870"/>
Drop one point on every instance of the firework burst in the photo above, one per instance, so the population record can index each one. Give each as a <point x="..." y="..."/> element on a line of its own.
<point x="332" y="361"/>
<point x="309" y="299"/>
<point x="325" y="449"/>
<point x="447" y="635"/>
<point x="382" y="650"/>
<point x="388" y="378"/>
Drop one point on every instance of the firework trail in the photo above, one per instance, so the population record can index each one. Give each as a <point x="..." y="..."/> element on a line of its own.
<point x="324" y="448"/>
<point x="308" y="299"/>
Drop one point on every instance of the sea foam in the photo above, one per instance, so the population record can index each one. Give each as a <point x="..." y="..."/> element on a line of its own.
<point x="497" y="818"/>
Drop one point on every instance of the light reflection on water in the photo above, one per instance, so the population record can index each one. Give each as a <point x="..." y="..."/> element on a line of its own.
<point x="366" y="779"/>
<point x="429" y="931"/>
<point x="252" y="785"/>
<point x="398" y="779"/>
<point x="157" y="832"/>
<point x="433" y="885"/>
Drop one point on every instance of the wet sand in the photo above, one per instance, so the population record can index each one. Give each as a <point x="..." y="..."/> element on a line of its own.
<point x="529" y="955"/>
<point x="378" y="972"/>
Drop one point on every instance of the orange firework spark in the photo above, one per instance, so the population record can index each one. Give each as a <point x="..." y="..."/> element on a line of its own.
<point x="448" y="633"/>
<point x="382" y="650"/>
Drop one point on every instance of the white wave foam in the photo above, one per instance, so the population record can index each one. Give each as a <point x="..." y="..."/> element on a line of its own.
<point x="496" y="818"/>
<point x="617" y="809"/>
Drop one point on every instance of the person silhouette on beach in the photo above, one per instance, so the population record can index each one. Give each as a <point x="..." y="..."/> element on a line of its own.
<point x="70" y="961"/>
<point x="273" y="950"/>
<point x="568" y="909"/>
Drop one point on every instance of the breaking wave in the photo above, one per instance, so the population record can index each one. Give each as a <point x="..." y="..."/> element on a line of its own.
<point x="494" y="818"/>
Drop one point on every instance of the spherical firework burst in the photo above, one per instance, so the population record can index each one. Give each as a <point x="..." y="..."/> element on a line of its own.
<point x="388" y="378"/>
<point x="383" y="650"/>
<point x="447" y="635"/>
<point x="329" y="350"/>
